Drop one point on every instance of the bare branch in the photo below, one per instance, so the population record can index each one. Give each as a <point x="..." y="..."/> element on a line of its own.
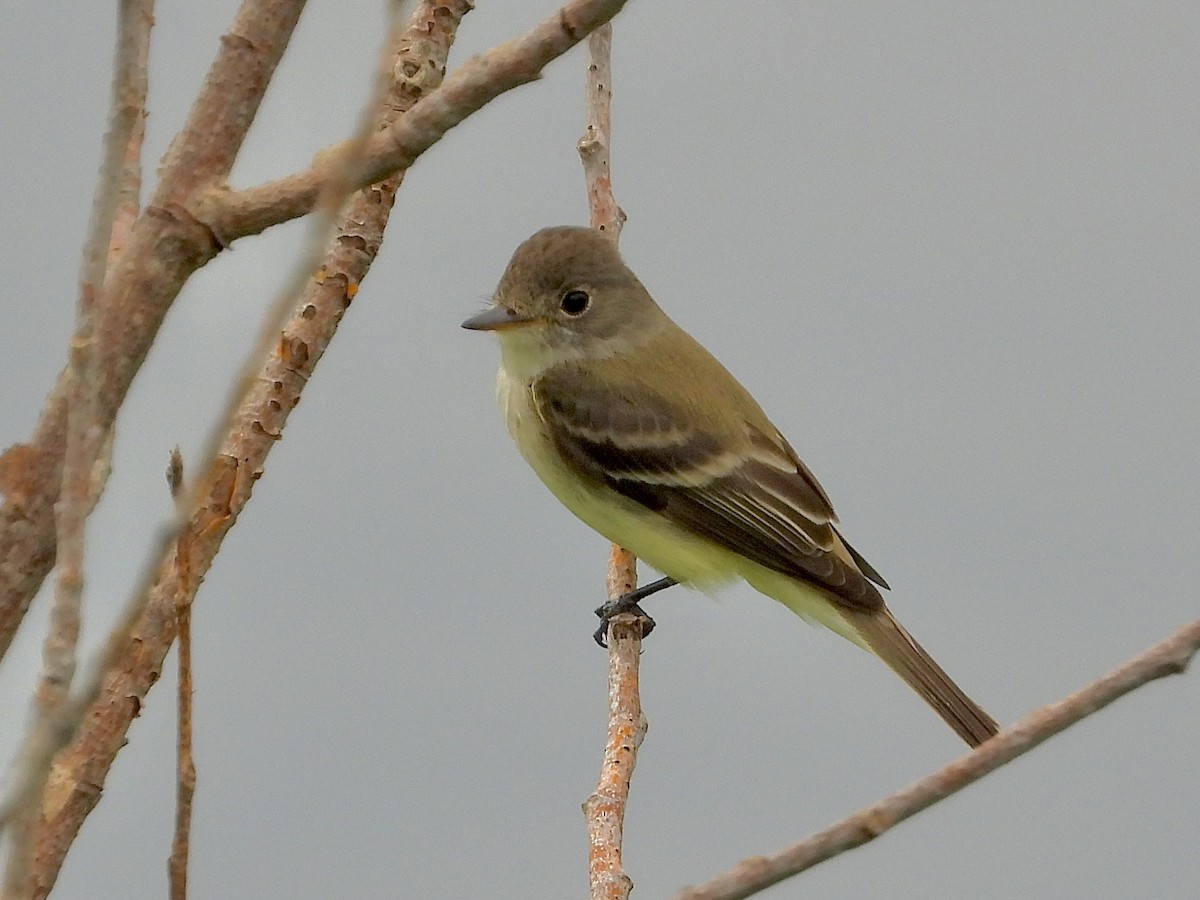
<point x="182" y="230"/>
<point x="381" y="109"/>
<point x="205" y="149"/>
<point x="137" y="649"/>
<point x="477" y="82"/>
<point x="1170" y="657"/>
<point x="82" y="478"/>
<point x="163" y="248"/>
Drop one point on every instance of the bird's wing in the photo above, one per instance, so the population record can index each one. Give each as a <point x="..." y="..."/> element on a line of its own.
<point x="757" y="498"/>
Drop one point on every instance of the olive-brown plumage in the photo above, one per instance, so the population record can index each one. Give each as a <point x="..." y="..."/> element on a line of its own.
<point x="647" y="438"/>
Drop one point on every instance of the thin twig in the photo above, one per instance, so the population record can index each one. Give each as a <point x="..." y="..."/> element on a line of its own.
<point x="594" y="146"/>
<point x="190" y="221"/>
<point x="605" y="809"/>
<point x="377" y="112"/>
<point x="82" y="478"/>
<point x="136" y="650"/>
<point x="185" y="767"/>
<point x="1169" y="657"/>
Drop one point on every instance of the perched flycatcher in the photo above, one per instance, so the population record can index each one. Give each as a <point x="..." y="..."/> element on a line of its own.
<point x="642" y="434"/>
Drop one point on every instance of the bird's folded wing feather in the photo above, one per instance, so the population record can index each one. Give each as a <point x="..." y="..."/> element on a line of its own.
<point x="755" y="497"/>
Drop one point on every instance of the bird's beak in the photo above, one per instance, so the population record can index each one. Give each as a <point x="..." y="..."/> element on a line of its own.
<point x="497" y="318"/>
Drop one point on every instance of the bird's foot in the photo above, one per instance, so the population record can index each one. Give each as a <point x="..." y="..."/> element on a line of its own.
<point x="628" y="603"/>
<point x="614" y="608"/>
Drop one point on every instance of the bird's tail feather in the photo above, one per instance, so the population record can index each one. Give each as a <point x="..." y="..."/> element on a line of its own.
<point x="890" y="642"/>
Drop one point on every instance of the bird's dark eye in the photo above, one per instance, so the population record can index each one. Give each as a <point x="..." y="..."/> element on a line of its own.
<point x="575" y="303"/>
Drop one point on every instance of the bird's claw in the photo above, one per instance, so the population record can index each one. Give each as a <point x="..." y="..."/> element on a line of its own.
<point x="626" y="603"/>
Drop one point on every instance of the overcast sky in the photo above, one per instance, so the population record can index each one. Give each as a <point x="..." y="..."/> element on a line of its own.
<point x="953" y="250"/>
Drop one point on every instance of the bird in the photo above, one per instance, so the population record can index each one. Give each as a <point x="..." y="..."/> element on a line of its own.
<point x="641" y="433"/>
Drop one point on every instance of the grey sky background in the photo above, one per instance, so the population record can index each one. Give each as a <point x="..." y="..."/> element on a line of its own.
<point x="953" y="251"/>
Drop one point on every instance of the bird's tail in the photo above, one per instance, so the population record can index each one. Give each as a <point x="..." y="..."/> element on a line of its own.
<point x="888" y="640"/>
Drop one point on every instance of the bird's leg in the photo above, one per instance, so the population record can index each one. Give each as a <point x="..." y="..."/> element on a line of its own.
<point x="629" y="603"/>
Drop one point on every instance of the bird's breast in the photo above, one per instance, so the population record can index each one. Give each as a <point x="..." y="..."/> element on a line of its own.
<point x="515" y="396"/>
<point x="684" y="556"/>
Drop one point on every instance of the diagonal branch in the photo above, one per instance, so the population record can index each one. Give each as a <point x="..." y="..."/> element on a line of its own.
<point x="163" y="248"/>
<point x="181" y="231"/>
<point x="135" y="655"/>
<point x="1169" y="657"/>
<point x="473" y="85"/>
<point x="204" y="151"/>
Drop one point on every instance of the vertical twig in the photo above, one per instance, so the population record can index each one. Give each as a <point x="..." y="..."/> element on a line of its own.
<point x="605" y="809"/>
<point x="185" y="787"/>
<point x="606" y="215"/>
<point x="323" y="229"/>
<point x="84" y="472"/>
